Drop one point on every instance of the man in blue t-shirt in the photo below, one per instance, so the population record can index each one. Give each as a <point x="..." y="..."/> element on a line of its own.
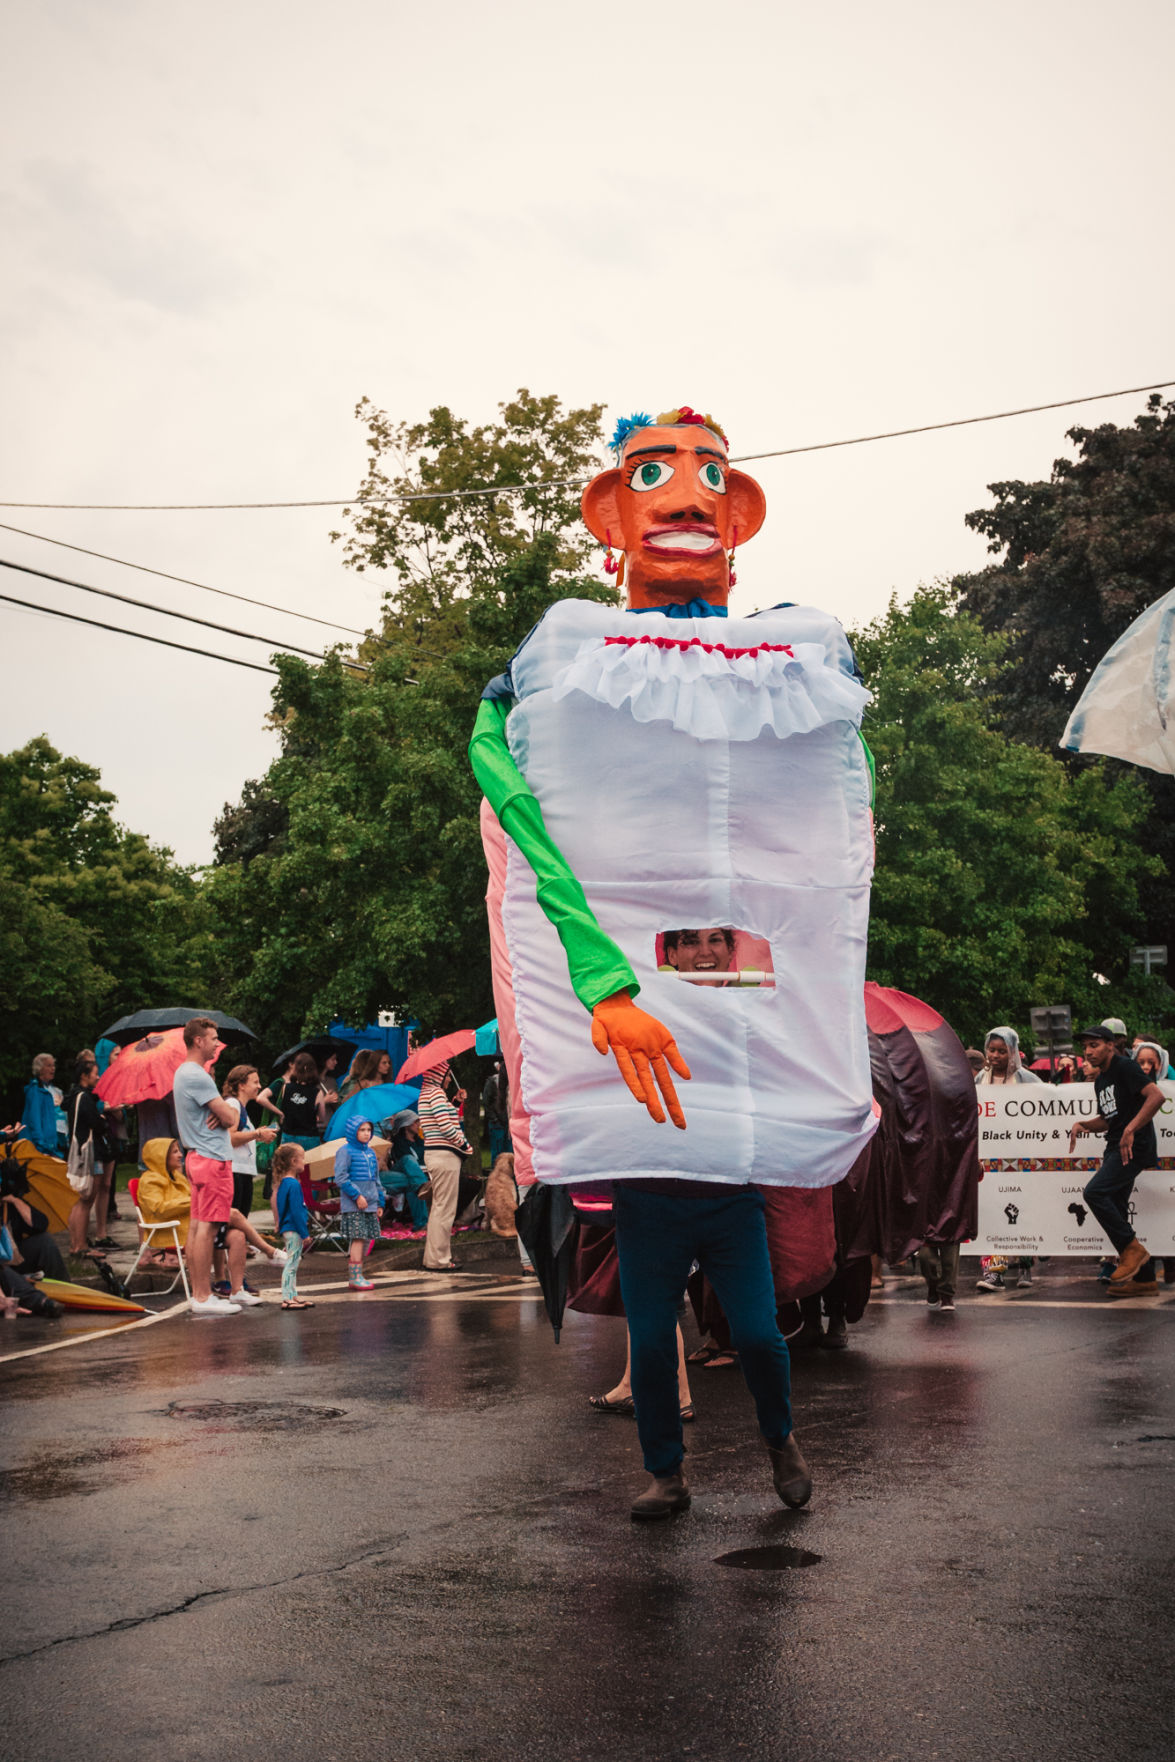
<point x="1127" y="1102"/>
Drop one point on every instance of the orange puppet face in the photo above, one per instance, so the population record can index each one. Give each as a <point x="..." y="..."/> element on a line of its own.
<point x="675" y="508"/>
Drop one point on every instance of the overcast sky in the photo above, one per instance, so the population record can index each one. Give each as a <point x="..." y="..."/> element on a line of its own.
<point x="226" y="223"/>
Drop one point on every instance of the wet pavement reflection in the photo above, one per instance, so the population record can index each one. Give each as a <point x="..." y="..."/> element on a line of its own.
<point x="392" y="1525"/>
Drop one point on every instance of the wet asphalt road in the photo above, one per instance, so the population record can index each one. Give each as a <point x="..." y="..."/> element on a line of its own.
<point x="390" y="1527"/>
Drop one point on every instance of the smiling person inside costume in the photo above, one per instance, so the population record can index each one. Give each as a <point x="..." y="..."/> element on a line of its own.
<point x="750" y="728"/>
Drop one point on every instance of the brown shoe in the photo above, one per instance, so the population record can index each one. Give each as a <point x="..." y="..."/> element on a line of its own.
<point x="789" y="1471"/>
<point x="664" y="1495"/>
<point x="1133" y="1288"/>
<point x="1131" y="1258"/>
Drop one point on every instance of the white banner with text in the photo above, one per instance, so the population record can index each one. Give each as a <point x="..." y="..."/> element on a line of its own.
<point x="1030" y="1198"/>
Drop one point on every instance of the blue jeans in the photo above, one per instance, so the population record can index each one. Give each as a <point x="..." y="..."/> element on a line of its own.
<point x="1107" y="1195"/>
<point x="658" y="1236"/>
<point x="499" y="1142"/>
<point x="405" y="1178"/>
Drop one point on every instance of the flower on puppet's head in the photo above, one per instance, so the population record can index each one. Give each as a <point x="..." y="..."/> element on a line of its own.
<point x="625" y="426"/>
<point x="684" y="415"/>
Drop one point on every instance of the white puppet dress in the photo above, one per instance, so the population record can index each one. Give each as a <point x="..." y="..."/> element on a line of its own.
<point x="689" y="773"/>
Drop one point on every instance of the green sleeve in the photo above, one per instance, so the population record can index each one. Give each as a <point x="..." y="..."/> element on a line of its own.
<point x="597" y="966"/>
<point x="872" y="764"/>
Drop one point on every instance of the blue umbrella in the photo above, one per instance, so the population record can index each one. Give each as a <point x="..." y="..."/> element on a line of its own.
<point x="486" y="1043"/>
<point x="375" y="1104"/>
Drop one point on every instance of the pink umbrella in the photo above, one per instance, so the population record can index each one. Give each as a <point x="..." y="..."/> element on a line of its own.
<point x="146" y="1071"/>
<point x="437" y="1052"/>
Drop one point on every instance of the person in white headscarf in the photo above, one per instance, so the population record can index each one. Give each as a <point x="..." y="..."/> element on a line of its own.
<point x="1151" y="1056"/>
<point x="1001" y="1049"/>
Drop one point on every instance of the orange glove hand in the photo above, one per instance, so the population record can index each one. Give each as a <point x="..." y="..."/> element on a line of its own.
<point x="642" y="1045"/>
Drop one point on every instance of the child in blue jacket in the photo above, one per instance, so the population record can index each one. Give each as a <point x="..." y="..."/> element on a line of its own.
<point x="361" y="1197"/>
<point x="289" y="1210"/>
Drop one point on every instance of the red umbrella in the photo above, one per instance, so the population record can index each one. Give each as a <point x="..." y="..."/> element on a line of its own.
<point x="146" y="1071"/>
<point x="437" y="1052"/>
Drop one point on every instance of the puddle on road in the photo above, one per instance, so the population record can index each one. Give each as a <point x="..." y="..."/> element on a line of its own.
<point x="774" y="1558"/>
<point x="254" y="1416"/>
<point x="59" y="1474"/>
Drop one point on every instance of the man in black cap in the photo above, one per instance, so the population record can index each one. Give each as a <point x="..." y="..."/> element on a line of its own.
<point x="1127" y="1102"/>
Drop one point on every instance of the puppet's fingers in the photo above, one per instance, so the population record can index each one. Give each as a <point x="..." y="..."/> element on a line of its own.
<point x="599" y="1036"/>
<point x="669" y="1092"/>
<point x="676" y="1060"/>
<point x="628" y="1070"/>
<point x="636" y="1073"/>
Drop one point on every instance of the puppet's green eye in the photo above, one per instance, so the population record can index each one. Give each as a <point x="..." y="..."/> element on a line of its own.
<point x="651" y="475"/>
<point x="713" y="477"/>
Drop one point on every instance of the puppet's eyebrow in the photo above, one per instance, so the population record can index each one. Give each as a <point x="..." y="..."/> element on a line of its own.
<point x="709" y="453"/>
<point x="639" y="452"/>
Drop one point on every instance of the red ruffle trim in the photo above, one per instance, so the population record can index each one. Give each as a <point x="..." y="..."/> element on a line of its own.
<point x="711" y="648"/>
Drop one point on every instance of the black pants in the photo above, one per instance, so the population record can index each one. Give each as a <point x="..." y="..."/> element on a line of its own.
<point x="41" y="1254"/>
<point x="1107" y="1195"/>
<point x="14" y="1284"/>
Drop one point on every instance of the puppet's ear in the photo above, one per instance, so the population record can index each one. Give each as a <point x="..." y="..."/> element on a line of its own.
<point x="747" y="505"/>
<point x="601" y="508"/>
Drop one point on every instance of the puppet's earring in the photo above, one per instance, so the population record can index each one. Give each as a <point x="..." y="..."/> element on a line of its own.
<point x="730" y="558"/>
<point x="611" y="566"/>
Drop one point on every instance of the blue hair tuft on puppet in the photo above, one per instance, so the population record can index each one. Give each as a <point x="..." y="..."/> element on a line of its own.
<point x="625" y="426"/>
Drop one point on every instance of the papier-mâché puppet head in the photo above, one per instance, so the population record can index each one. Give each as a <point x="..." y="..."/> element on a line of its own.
<point x="674" y="507"/>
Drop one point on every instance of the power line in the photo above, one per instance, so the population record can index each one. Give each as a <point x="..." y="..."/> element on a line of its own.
<point x="508" y="489"/>
<point x="166" y="612"/>
<point x="861" y="440"/>
<point x="184" y="581"/>
<point x="163" y="641"/>
<point x="120" y="630"/>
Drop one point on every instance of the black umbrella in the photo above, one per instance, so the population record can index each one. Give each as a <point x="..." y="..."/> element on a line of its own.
<point x="321" y="1046"/>
<point x="547" y="1224"/>
<point x="130" y="1028"/>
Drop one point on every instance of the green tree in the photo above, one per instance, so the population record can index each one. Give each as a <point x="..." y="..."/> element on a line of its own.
<point x="1002" y="880"/>
<point x="1080" y="556"/>
<point x="96" y="920"/>
<point x="440" y="553"/>
<point x="351" y="878"/>
<point x="374" y="895"/>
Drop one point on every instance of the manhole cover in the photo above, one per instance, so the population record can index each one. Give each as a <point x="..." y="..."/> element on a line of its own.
<point x="255" y="1416"/>
<point x="771" y="1559"/>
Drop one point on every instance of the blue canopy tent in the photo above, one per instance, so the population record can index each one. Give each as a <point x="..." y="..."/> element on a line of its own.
<point x="392" y="1040"/>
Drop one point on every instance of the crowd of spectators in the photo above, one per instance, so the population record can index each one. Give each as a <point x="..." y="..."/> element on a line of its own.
<point x="419" y="1162"/>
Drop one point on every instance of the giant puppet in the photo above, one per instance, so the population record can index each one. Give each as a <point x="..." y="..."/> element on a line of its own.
<point x="678" y="808"/>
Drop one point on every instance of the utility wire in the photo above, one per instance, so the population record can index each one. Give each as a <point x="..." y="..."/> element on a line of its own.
<point x="166" y="612"/>
<point x="120" y="630"/>
<point x="446" y="495"/>
<point x="184" y="581"/>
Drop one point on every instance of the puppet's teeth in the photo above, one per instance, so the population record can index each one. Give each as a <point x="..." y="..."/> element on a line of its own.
<point x="682" y="541"/>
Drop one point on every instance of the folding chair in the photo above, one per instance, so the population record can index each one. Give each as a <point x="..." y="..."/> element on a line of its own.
<point x="323" y="1206"/>
<point x="151" y="1231"/>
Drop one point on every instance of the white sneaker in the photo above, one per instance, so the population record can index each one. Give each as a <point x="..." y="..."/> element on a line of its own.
<point x="245" y="1300"/>
<point x="280" y="1257"/>
<point x="214" y="1306"/>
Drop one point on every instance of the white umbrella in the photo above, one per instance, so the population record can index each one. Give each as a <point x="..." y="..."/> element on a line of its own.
<point x="1127" y="710"/>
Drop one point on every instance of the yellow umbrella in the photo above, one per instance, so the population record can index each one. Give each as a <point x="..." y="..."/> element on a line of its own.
<point x="48" y="1185"/>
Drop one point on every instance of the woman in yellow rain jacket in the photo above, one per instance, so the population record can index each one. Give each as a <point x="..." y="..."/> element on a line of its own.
<point x="164" y="1194"/>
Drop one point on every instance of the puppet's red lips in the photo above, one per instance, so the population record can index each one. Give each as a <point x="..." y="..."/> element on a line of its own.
<point x="683" y="541"/>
